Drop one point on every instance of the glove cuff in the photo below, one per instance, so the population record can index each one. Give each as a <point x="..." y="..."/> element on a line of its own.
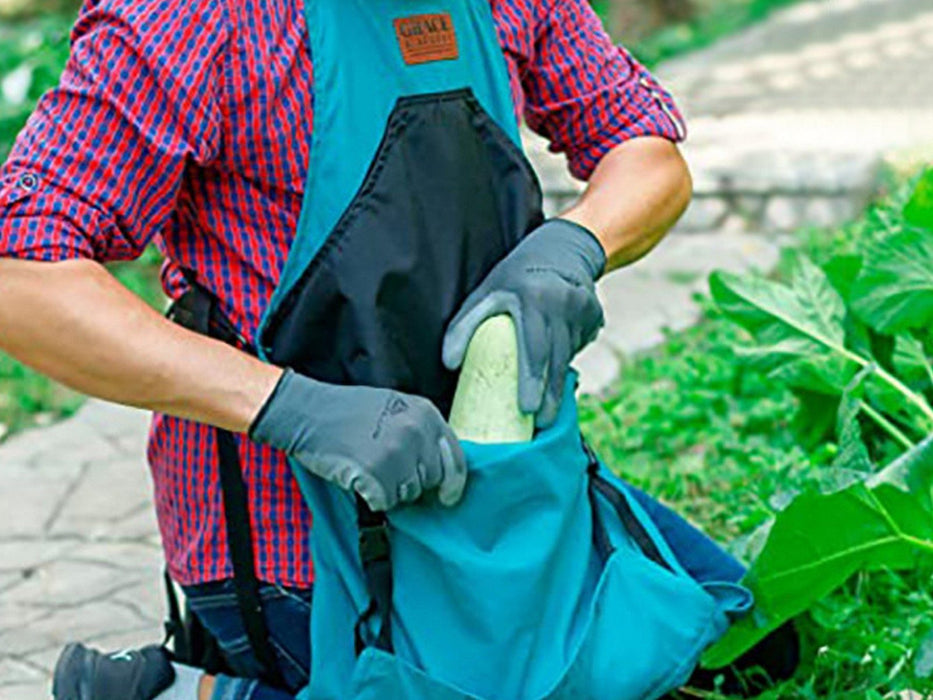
<point x="273" y="424"/>
<point x="585" y="243"/>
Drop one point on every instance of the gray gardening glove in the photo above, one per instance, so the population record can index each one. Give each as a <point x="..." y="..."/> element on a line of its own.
<point x="386" y="446"/>
<point x="547" y="284"/>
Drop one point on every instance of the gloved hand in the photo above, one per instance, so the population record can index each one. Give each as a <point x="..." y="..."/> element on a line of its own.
<point x="386" y="446"/>
<point x="547" y="284"/>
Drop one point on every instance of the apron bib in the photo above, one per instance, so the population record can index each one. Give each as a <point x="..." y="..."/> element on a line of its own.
<point x="546" y="581"/>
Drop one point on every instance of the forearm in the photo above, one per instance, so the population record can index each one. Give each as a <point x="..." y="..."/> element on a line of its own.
<point x="637" y="192"/>
<point x="74" y="322"/>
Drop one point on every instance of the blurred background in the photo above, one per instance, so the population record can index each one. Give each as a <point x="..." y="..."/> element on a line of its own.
<point x="809" y="122"/>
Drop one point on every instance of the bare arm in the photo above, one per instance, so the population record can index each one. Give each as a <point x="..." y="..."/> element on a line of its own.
<point x="74" y="322"/>
<point x="637" y="192"/>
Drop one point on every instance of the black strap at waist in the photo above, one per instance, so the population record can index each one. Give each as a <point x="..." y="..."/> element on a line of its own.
<point x="198" y="310"/>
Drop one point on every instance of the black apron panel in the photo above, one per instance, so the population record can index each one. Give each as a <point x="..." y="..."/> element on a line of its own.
<point x="447" y="196"/>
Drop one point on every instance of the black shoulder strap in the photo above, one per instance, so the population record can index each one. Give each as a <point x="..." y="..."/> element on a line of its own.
<point x="174" y="623"/>
<point x="240" y="540"/>
<point x="197" y="311"/>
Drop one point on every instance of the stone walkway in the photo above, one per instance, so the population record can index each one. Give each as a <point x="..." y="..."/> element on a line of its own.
<point x="788" y="122"/>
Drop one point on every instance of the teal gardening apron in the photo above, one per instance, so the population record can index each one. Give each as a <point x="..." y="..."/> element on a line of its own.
<point x="546" y="581"/>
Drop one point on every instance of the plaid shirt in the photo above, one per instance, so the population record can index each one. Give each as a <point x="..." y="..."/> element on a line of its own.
<point x="189" y="124"/>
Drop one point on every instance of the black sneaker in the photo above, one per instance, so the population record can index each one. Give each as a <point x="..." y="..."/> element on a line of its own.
<point x="136" y="674"/>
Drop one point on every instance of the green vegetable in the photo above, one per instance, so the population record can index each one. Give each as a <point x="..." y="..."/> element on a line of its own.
<point x="485" y="407"/>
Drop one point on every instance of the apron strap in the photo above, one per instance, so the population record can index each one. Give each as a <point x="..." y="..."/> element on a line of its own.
<point x="198" y="311"/>
<point x="377" y="573"/>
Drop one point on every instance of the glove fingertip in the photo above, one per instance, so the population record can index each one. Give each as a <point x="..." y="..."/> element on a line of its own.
<point x="375" y="496"/>
<point x="455" y="472"/>
<point x="546" y="416"/>
<point x="454" y="347"/>
<point x="530" y="393"/>
<point x="550" y="405"/>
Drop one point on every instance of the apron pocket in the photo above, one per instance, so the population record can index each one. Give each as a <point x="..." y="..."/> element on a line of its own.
<point x="382" y="676"/>
<point x="647" y="629"/>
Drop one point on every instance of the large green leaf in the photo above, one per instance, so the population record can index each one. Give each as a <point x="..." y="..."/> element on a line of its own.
<point x="853" y="454"/>
<point x="912" y="472"/>
<point x="919" y="210"/>
<point x="842" y="271"/>
<point x="911" y="360"/>
<point x="799" y="328"/>
<point x="817" y="543"/>
<point x="894" y="290"/>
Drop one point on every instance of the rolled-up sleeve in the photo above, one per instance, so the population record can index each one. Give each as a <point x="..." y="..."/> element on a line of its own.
<point x="587" y="95"/>
<point x="96" y="171"/>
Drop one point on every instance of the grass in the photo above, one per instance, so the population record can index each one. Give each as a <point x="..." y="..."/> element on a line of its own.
<point x="719" y="443"/>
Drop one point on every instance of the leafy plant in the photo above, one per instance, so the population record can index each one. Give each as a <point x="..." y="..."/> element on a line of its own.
<point x="851" y="338"/>
<point x="32" y="56"/>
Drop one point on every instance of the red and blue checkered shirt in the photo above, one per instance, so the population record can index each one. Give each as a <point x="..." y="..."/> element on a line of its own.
<point x="188" y="124"/>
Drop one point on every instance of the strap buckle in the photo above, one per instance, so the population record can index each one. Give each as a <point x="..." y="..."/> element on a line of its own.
<point x="374" y="543"/>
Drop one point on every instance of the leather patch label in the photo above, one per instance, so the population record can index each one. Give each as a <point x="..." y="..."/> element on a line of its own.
<point x="427" y="38"/>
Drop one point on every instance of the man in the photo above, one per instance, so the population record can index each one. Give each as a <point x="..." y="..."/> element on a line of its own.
<point x="190" y="125"/>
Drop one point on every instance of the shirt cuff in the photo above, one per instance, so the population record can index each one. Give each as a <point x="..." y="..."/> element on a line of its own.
<point x="639" y="108"/>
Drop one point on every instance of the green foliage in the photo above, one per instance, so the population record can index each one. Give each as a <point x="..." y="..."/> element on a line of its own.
<point x="879" y="521"/>
<point x="799" y="327"/>
<point x="816" y="544"/>
<point x="729" y="447"/>
<point x="919" y="210"/>
<point x="689" y="424"/>
<point x="32" y="54"/>
<point x="894" y="289"/>
<point x="714" y="20"/>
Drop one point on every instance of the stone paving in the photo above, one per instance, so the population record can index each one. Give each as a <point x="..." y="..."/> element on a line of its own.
<point x="788" y="122"/>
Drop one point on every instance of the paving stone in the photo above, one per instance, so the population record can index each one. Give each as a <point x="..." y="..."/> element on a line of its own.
<point x="31" y="691"/>
<point x="114" y="421"/>
<point x="782" y="214"/>
<point x="808" y="103"/>
<point x="126" y="556"/>
<point x="15" y="672"/>
<point x="30" y="497"/>
<point x="44" y="660"/>
<point x="110" y="491"/>
<point x="598" y="365"/>
<point x="19" y="554"/>
<point x="14" y="616"/>
<point x="87" y="622"/>
<point x="68" y="583"/>
<point x="703" y="214"/>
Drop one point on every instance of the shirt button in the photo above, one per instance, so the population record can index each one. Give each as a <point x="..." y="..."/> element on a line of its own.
<point x="28" y="182"/>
